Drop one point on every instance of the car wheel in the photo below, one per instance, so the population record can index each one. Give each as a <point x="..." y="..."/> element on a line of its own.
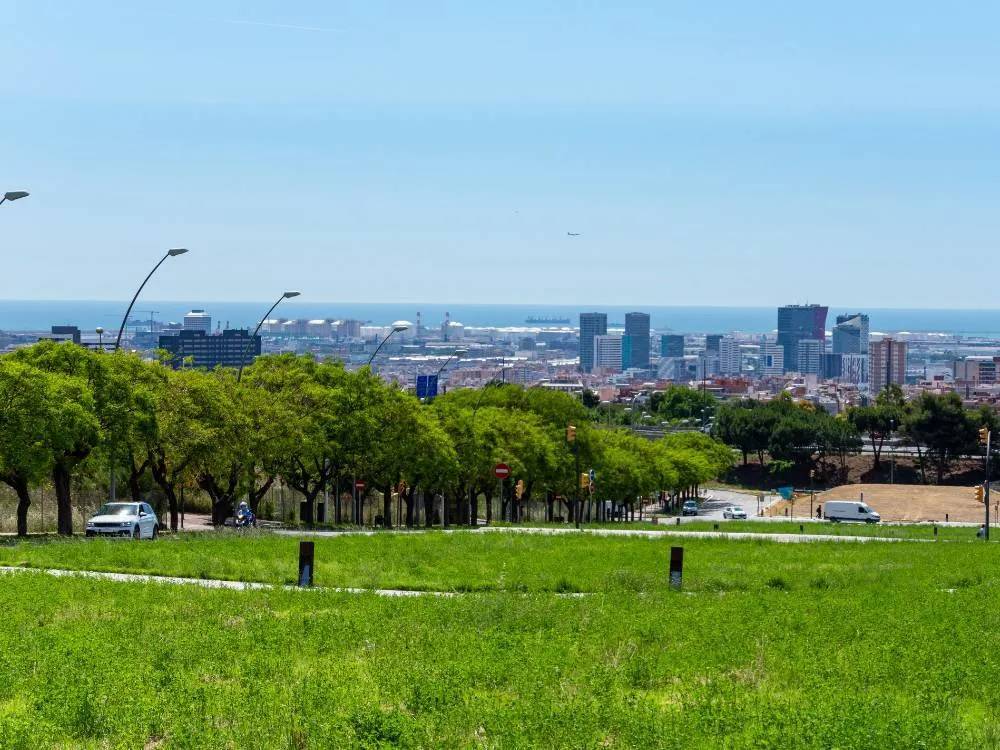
<point x="135" y="533"/>
<point x="156" y="532"/>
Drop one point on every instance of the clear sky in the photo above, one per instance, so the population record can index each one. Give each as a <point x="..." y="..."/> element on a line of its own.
<point x="729" y="153"/>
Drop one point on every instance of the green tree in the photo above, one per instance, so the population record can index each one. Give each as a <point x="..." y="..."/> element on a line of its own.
<point x="942" y="426"/>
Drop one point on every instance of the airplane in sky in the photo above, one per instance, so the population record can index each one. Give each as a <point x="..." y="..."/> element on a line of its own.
<point x="572" y="234"/>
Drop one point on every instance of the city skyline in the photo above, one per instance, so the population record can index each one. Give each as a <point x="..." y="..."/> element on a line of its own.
<point x="408" y="153"/>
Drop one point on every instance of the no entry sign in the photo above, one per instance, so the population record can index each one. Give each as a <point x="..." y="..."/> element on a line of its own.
<point x="501" y="471"/>
<point x="359" y="485"/>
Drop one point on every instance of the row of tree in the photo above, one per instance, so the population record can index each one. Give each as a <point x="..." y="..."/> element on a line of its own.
<point x="65" y="410"/>
<point x="786" y="431"/>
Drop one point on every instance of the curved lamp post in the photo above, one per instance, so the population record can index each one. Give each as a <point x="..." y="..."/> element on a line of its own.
<point x="14" y="195"/>
<point x="170" y="254"/>
<point x="100" y="337"/>
<point x="398" y="327"/>
<point x="457" y="354"/>
<point x="246" y="349"/>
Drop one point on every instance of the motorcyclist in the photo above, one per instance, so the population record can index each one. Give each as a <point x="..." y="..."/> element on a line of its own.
<point x="245" y="516"/>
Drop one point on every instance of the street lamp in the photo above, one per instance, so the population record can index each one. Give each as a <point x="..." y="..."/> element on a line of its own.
<point x="457" y="354"/>
<point x="100" y="337"/>
<point x="246" y="349"/>
<point x="892" y="452"/>
<point x="608" y="405"/>
<point x="14" y="195"/>
<point x="398" y="327"/>
<point x="170" y="254"/>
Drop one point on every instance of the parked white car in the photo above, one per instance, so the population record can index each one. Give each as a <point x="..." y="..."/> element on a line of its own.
<point x="136" y="520"/>
<point x="734" y="511"/>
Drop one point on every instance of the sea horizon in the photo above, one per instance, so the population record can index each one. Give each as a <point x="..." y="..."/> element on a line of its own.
<point x="40" y="315"/>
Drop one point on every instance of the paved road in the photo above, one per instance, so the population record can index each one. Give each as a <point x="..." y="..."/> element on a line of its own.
<point x="711" y="506"/>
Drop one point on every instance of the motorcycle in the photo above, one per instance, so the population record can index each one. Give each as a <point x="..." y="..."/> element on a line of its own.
<point x="246" y="520"/>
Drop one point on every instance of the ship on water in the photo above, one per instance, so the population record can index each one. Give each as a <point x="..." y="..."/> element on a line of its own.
<point x="535" y="321"/>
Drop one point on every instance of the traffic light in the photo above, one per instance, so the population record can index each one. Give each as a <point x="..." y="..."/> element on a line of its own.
<point x="519" y="488"/>
<point x="584" y="481"/>
<point x="984" y="436"/>
<point x="979" y="493"/>
<point x="570" y="434"/>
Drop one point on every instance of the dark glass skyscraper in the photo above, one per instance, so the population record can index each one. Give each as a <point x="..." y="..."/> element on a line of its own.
<point x="591" y="324"/>
<point x="637" y="331"/>
<point x="797" y="323"/>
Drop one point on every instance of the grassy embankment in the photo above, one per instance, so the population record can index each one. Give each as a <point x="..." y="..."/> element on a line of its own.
<point x="769" y="645"/>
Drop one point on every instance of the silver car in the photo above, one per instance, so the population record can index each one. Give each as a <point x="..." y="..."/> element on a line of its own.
<point x="734" y="511"/>
<point x="136" y="520"/>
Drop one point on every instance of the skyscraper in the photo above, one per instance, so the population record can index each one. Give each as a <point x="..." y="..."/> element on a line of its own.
<point x="591" y="324"/>
<point x="798" y="322"/>
<point x="637" y="329"/>
<point x="712" y="342"/>
<point x="886" y="363"/>
<point x="850" y="335"/>
<point x="671" y="345"/>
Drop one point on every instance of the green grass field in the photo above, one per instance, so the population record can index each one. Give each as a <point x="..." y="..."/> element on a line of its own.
<point x="833" y="644"/>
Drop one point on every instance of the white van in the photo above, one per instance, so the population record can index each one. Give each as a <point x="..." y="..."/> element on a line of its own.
<point x="849" y="510"/>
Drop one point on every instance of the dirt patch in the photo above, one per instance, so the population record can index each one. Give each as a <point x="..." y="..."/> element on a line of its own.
<point x="899" y="502"/>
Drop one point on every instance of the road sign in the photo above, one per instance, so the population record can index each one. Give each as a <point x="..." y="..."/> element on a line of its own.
<point x="501" y="471"/>
<point x="427" y="386"/>
<point x="593" y="476"/>
<point x="359" y="485"/>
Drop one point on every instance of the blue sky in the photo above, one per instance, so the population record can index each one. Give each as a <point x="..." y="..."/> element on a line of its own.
<point x="708" y="153"/>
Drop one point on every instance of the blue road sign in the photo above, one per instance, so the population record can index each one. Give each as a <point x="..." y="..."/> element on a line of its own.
<point x="427" y="386"/>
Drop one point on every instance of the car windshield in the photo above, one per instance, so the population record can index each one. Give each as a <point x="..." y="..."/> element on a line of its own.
<point x="117" y="509"/>
<point x="737" y="509"/>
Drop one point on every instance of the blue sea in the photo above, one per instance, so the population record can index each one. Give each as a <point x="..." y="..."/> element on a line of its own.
<point x="39" y="315"/>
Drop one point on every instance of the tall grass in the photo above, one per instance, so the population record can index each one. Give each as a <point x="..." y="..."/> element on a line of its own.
<point x="853" y="664"/>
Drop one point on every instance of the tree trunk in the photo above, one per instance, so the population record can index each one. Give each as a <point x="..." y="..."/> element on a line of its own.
<point x="20" y="486"/>
<point x="428" y="509"/>
<point x="64" y="506"/>
<point x="134" y="475"/>
<point x="408" y="498"/>
<point x="387" y="507"/>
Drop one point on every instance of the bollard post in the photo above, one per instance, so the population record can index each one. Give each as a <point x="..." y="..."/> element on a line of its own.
<point x="305" y="563"/>
<point x="676" y="566"/>
<point x="801" y="528"/>
<point x="678" y="521"/>
<point x="715" y="526"/>
<point x="946" y="518"/>
<point x="935" y="532"/>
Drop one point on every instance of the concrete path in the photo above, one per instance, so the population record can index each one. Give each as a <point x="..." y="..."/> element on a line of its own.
<point x="208" y="583"/>
<point x="651" y="533"/>
<point x="788" y="538"/>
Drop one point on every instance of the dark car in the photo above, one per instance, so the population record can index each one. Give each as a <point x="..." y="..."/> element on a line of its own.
<point x="690" y="508"/>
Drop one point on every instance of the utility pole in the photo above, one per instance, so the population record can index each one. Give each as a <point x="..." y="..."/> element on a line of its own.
<point x="984" y="439"/>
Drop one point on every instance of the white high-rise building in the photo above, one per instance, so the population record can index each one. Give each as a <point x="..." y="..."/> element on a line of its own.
<point x="772" y="358"/>
<point x="810" y="357"/>
<point x="198" y="320"/>
<point x="608" y="353"/>
<point x="730" y="356"/>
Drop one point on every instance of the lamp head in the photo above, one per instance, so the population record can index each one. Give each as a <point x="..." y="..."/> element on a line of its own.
<point x="176" y="251"/>
<point x="14" y="195"/>
<point x="289" y="295"/>
<point x="99" y="330"/>
<point x="461" y="352"/>
<point x="400" y="325"/>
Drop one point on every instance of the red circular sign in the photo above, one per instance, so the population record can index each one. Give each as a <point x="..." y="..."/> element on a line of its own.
<point x="360" y="485"/>
<point x="501" y="471"/>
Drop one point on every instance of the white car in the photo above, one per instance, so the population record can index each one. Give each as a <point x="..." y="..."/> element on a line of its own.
<point x="136" y="520"/>
<point x="734" y="511"/>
